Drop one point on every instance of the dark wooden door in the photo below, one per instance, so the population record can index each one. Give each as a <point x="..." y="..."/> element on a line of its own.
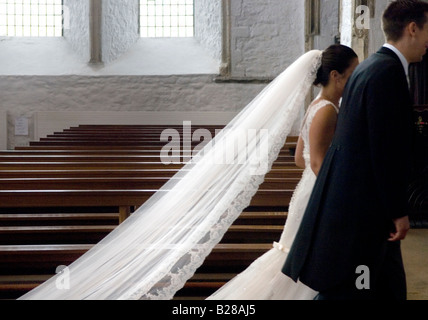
<point x="418" y="190"/>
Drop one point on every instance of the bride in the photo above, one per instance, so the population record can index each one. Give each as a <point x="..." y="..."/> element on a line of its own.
<point x="153" y="253"/>
<point x="263" y="279"/>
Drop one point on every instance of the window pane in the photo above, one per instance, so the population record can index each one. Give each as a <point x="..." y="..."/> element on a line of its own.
<point x="169" y="18"/>
<point x="31" y="18"/>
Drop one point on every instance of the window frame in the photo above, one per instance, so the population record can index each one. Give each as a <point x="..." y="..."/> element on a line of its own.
<point x="163" y="37"/>
<point x="38" y="27"/>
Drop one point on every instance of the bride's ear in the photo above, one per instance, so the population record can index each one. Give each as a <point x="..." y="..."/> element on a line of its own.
<point x="334" y="75"/>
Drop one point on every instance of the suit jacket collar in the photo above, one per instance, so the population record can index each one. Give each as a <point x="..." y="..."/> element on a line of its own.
<point x="401" y="56"/>
<point x="391" y="53"/>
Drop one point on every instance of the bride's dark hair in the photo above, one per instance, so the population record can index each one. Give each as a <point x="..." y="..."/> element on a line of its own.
<point x="336" y="57"/>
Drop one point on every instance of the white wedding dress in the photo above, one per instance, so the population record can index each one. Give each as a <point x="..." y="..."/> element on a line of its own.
<point x="263" y="279"/>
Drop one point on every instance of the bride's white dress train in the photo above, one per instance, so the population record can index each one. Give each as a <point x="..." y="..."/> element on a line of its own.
<point x="263" y="279"/>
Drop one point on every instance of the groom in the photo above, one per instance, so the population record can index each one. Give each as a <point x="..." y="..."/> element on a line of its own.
<point x="348" y="244"/>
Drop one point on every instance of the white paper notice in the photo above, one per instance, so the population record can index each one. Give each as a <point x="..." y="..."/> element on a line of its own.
<point x="21" y="126"/>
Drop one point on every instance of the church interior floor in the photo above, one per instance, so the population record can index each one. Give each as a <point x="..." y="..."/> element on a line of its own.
<point x="415" y="257"/>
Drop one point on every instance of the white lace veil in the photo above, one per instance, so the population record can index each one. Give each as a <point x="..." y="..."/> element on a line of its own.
<point x="159" y="247"/>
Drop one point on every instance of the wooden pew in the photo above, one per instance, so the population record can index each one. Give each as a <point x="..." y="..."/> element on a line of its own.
<point x="126" y="200"/>
<point x="12" y="158"/>
<point x="108" y="183"/>
<point x="44" y="259"/>
<point x="65" y="165"/>
<point x="26" y="235"/>
<point x="9" y="219"/>
<point x="251" y="227"/>
<point x="69" y="189"/>
<point x="123" y="173"/>
<point x="276" y="218"/>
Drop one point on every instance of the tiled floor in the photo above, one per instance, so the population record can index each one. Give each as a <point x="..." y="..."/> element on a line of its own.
<point x="415" y="256"/>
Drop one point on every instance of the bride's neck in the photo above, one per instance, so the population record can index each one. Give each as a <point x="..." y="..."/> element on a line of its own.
<point x="330" y="94"/>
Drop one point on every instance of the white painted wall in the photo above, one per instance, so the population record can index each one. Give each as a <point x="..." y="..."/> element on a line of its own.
<point x="77" y="35"/>
<point x="56" y="57"/>
<point x="376" y="35"/>
<point x="329" y="28"/>
<point x="208" y="26"/>
<point x="119" y="27"/>
<point x="267" y="36"/>
<point x="3" y="130"/>
<point x="346" y="23"/>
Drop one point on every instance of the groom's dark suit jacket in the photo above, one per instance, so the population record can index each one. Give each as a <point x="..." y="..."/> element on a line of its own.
<point x="361" y="186"/>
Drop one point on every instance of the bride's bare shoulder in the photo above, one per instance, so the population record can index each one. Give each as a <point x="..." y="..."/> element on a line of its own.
<point x="321" y="103"/>
<point x="316" y="101"/>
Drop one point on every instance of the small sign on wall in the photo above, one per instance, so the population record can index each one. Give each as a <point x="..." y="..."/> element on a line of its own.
<point x="21" y="126"/>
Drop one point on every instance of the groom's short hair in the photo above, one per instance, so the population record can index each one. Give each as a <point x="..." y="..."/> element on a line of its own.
<point x="399" y="14"/>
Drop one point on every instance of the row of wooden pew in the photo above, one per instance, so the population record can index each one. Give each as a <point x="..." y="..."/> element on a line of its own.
<point x="62" y="194"/>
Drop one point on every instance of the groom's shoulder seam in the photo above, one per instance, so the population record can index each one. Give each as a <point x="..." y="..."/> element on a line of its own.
<point x="379" y="66"/>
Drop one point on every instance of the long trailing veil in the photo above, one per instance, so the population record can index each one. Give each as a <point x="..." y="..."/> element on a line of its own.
<point x="159" y="247"/>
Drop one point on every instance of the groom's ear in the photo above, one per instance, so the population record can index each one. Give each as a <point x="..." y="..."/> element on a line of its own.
<point x="411" y="28"/>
